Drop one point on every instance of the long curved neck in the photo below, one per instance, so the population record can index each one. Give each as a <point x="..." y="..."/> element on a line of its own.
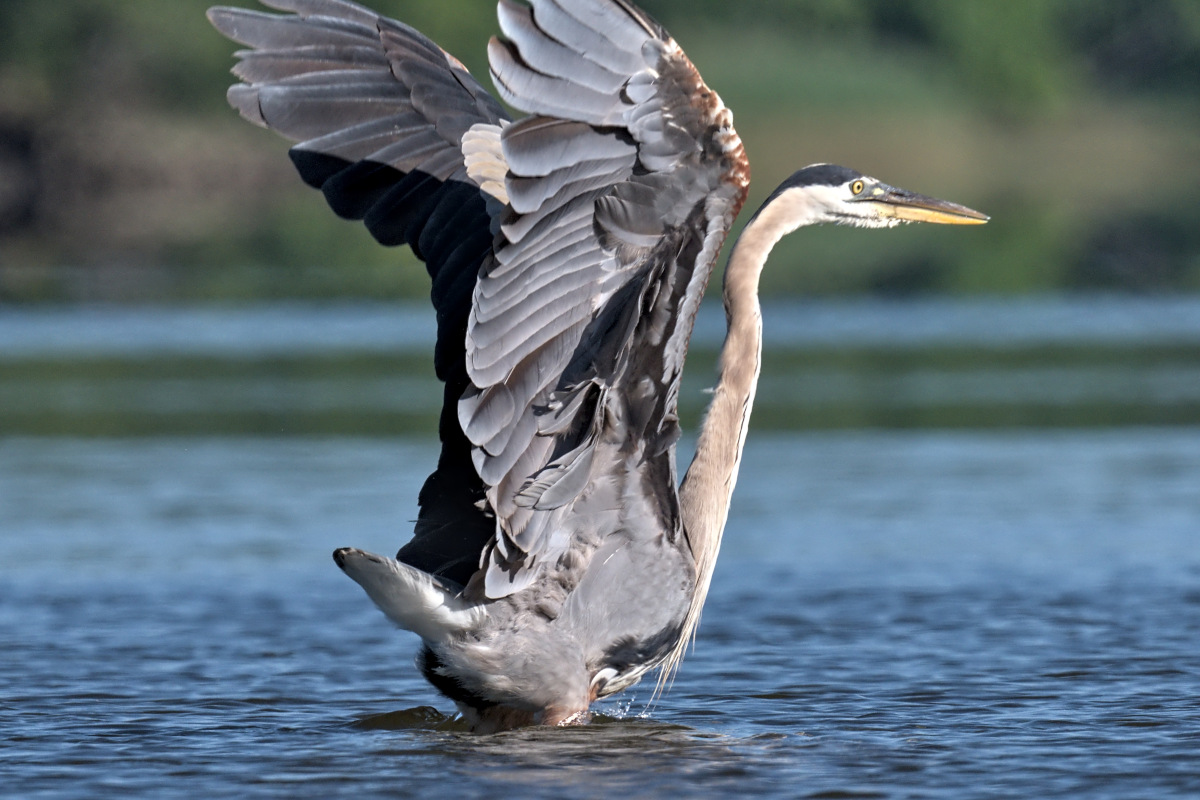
<point x="707" y="488"/>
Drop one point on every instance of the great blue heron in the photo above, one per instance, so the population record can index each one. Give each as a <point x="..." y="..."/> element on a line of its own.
<point x="556" y="558"/>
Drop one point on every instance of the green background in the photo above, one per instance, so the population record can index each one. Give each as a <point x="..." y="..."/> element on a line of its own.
<point x="125" y="177"/>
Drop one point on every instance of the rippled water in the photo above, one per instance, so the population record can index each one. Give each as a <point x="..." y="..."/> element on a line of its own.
<point x="896" y="614"/>
<point x="978" y="596"/>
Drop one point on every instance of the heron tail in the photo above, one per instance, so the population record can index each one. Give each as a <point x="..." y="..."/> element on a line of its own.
<point x="414" y="600"/>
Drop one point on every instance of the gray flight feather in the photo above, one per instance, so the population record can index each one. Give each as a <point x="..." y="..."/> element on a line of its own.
<point x="610" y="163"/>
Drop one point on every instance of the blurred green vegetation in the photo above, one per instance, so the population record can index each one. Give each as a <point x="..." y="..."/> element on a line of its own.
<point x="124" y="176"/>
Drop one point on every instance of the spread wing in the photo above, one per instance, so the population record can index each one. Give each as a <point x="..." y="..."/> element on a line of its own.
<point x="621" y="189"/>
<point x="382" y="115"/>
<point x="569" y="251"/>
<point x="379" y="113"/>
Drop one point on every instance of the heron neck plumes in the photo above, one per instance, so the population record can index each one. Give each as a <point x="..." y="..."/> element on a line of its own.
<point x="708" y="486"/>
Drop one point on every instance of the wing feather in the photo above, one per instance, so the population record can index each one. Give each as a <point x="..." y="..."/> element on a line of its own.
<point x="550" y="96"/>
<point x="379" y="113"/>
<point x="619" y="54"/>
<point x="340" y="9"/>
<point x="262" y="66"/>
<point x="613" y="185"/>
<point x="567" y="251"/>
<point x="548" y="56"/>
<point x="263" y="31"/>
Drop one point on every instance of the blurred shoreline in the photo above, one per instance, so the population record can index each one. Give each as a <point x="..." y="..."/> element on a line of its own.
<point x="364" y="369"/>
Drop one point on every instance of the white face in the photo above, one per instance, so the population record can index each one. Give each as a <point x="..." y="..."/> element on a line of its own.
<point x="857" y="202"/>
<point x="870" y="203"/>
<point x="863" y="202"/>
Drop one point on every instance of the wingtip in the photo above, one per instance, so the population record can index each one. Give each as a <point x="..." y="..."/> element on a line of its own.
<point x="225" y="20"/>
<point x="245" y="100"/>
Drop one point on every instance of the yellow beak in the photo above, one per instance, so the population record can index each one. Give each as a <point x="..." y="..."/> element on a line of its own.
<point x="913" y="207"/>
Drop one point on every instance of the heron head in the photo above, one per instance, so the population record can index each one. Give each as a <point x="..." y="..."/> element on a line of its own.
<point x="843" y="196"/>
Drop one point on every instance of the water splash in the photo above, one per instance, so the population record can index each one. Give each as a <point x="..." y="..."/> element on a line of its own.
<point x="622" y="708"/>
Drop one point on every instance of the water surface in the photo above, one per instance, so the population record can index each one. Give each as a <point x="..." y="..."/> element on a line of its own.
<point x="963" y="561"/>
<point x="367" y="370"/>
<point x="895" y="615"/>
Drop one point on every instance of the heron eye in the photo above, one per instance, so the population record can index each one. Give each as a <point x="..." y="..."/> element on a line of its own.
<point x="856" y="187"/>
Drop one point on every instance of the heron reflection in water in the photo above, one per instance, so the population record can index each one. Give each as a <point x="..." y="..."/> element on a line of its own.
<point x="556" y="558"/>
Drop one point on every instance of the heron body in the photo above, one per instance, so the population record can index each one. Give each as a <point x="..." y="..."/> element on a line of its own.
<point x="556" y="558"/>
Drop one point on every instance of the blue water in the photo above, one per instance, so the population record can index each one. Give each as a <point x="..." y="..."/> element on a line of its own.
<point x="963" y="608"/>
<point x="919" y="614"/>
<point x="288" y="328"/>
